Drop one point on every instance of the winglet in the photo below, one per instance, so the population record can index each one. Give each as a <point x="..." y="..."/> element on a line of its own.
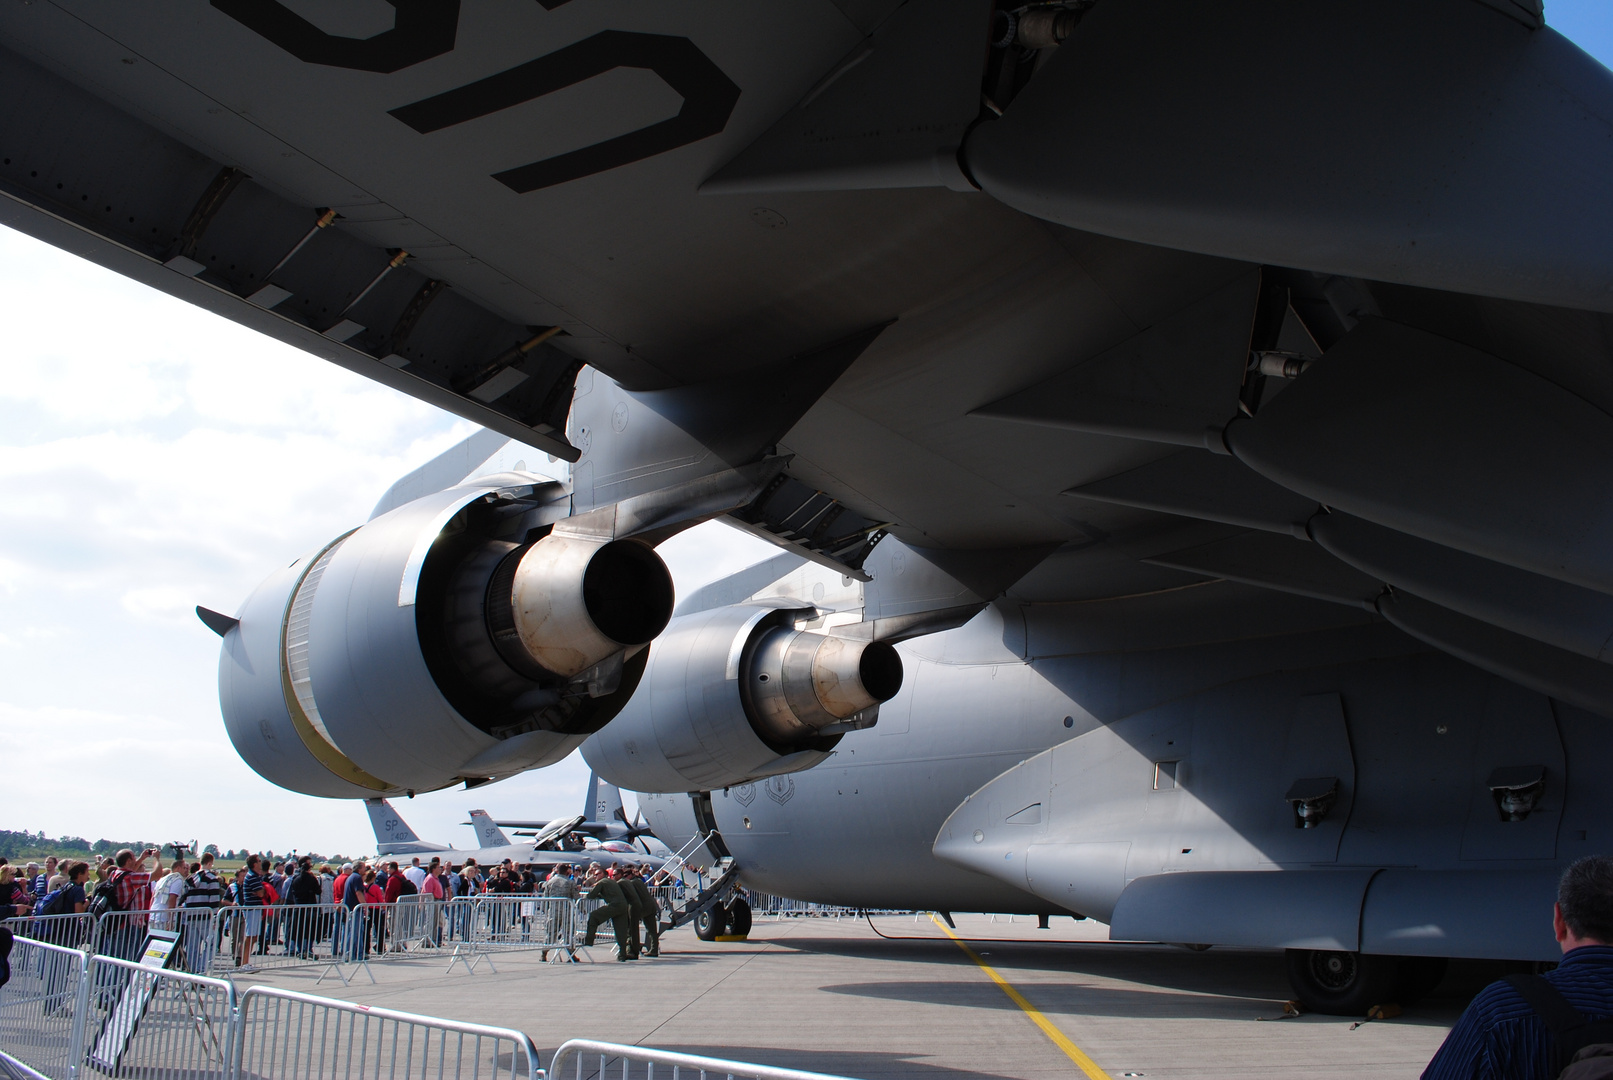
<point x="216" y="622"/>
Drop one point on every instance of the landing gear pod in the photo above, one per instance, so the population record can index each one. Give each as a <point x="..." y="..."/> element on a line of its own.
<point x="737" y="693"/>
<point x="455" y="638"/>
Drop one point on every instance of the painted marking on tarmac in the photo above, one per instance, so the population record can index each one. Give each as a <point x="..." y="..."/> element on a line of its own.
<point x="1060" y="1040"/>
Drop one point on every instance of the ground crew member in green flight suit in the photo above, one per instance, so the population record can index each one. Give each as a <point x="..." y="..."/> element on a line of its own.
<point x="649" y="914"/>
<point x="616" y="909"/>
<point x="636" y="910"/>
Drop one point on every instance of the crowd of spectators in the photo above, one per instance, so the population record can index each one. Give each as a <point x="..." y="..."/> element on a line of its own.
<point x="295" y="908"/>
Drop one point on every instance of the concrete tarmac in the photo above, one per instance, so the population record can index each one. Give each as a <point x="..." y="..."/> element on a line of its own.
<point x="835" y="996"/>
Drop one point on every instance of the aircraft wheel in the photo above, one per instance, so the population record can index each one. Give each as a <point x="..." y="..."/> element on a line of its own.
<point x="1341" y="983"/>
<point x="1418" y="977"/>
<point x="739" y="917"/>
<point x="711" y="923"/>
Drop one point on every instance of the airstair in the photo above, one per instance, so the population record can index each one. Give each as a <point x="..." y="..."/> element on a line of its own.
<point x="723" y="872"/>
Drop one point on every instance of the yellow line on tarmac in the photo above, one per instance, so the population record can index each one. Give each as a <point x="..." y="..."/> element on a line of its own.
<point x="1060" y="1040"/>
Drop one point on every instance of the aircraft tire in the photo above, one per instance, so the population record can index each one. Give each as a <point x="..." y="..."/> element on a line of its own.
<point x="1341" y="983"/>
<point x="739" y="917"/>
<point x="711" y="924"/>
<point x="1418" y="977"/>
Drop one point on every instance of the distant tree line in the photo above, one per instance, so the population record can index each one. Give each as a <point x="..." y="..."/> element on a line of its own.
<point x="29" y="845"/>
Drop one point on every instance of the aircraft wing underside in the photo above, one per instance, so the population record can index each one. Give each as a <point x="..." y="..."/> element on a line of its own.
<point x="1055" y="296"/>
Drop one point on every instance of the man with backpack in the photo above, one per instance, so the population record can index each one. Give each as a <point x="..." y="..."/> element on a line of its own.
<point x="1535" y="1027"/>
<point x="66" y="899"/>
<point x="127" y="889"/>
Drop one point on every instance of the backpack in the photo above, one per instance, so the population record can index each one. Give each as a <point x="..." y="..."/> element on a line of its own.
<point x="105" y="900"/>
<point x="1581" y="1049"/>
<point x="407" y="888"/>
<point x="53" y="903"/>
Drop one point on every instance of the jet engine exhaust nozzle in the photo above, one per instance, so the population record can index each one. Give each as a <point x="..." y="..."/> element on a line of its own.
<point x="574" y="602"/>
<point x="800" y="682"/>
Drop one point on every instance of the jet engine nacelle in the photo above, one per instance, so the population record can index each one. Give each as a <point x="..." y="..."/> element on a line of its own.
<point x="737" y="693"/>
<point x="460" y="637"/>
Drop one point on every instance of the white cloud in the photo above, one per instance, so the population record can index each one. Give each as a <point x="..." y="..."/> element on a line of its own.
<point x="154" y="456"/>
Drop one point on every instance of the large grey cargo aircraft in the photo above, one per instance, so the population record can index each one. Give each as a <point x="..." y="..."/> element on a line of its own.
<point x="1235" y="375"/>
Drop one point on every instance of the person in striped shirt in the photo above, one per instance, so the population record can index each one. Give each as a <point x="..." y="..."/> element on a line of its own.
<point x="249" y="897"/>
<point x="1516" y="1028"/>
<point x="204" y="893"/>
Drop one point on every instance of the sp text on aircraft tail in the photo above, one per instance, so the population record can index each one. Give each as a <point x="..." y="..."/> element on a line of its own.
<point x="392" y="834"/>
<point x="488" y="834"/>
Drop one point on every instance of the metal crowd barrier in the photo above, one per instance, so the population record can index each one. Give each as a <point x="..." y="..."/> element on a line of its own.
<point x="486" y="925"/>
<point x="156" y="1023"/>
<point x="70" y="931"/>
<point x="40" y="1023"/>
<point x="291" y="1035"/>
<point x="66" y="1015"/>
<point x="65" y="1012"/>
<point x="568" y="1064"/>
<point x="466" y="929"/>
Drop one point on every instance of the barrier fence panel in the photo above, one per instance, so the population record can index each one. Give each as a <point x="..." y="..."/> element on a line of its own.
<point x="68" y="931"/>
<point x="416" y="924"/>
<point x="40" y="1006"/>
<point x="283" y="1034"/>
<point x="579" y="1059"/>
<point x="67" y="1014"/>
<point x="604" y="933"/>
<point x="508" y="923"/>
<point x="486" y="925"/>
<point x="155" y="1023"/>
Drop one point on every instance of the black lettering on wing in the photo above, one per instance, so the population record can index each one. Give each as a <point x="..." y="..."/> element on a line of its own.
<point x="708" y="101"/>
<point x="421" y="29"/>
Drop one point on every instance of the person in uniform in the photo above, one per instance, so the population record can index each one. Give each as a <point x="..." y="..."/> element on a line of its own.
<point x="648" y="914"/>
<point x="636" y="911"/>
<point x="616" y="909"/>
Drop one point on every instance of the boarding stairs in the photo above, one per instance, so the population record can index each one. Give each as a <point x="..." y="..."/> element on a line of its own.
<point x="723" y="872"/>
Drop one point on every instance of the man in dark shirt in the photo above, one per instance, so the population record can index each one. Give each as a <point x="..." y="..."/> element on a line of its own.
<point x="1500" y="1036"/>
<point x="303" y="893"/>
<point x="356" y="925"/>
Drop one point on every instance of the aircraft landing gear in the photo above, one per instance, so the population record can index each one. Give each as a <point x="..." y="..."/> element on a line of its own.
<point x="738" y="917"/>
<point x="1341" y="983"/>
<point x="732" y="919"/>
<point x="1349" y="983"/>
<point x="711" y="924"/>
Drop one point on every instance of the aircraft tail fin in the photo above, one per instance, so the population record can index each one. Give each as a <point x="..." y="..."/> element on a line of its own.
<point x="488" y="834"/>
<point x="391" y="831"/>
<point x="604" y="801"/>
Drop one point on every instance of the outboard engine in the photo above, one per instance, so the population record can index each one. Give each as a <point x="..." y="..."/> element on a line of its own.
<point x="462" y="637"/>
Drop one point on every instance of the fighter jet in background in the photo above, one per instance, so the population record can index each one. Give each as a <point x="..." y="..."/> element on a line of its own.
<point x="608" y="826"/>
<point x="395" y="839"/>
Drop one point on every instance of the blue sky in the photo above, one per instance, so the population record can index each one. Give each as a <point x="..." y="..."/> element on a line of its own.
<point x="1587" y="23"/>
<point x="154" y="456"/>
